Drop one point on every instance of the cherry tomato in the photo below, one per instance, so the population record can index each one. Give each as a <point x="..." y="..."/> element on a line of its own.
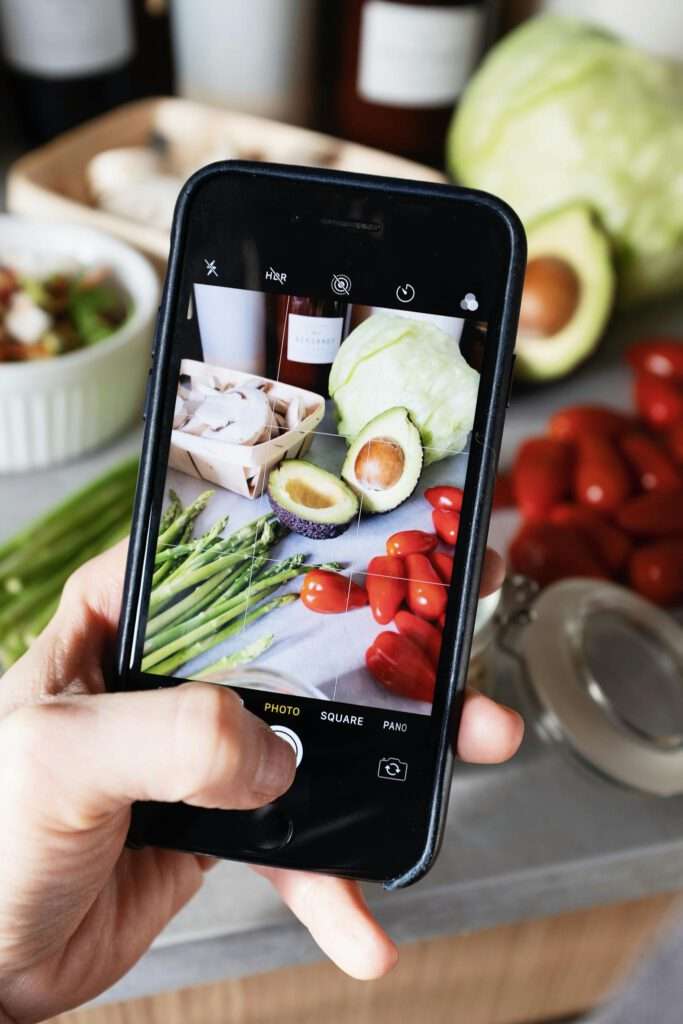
<point x="547" y="552"/>
<point x="443" y="564"/>
<point x="610" y="544"/>
<point x="653" y="467"/>
<point x="411" y="542"/>
<point x="577" y="420"/>
<point x="503" y="494"/>
<point x="445" y="497"/>
<point x="387" y="586"/>
<point x="601" y="478"/>
<point x="674" y="442"/>
<point x="423" y="633"/>
<point x="446" y="525"/>
<point x="662" y="357"/>
<point x="652" y="515"/>
<point x="541" y="475"/>
<point x="659" y="401"/>
<point x="656" y="571"/>
<point x="331" y="592"/>
<point x="401" y="666"/>
<point x="427" y="595"/>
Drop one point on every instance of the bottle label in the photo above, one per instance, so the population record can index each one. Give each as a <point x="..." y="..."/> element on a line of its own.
<point x="412" y="56"/>
<point x="66" y="38"/>
<point x="313" y="339"/>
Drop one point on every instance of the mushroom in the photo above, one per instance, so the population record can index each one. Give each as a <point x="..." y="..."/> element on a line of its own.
<point x="181" y="413"/>
<point x="195" y="426"/>
<point x="280" y="405"/>
<point x="296" y="412"/>
<point x="238" y="416"/>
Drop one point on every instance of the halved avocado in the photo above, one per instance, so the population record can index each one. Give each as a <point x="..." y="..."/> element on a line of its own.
<point x="384" y="463"/>
<point x="568" y="293"/>
<point x="311" y="501"/>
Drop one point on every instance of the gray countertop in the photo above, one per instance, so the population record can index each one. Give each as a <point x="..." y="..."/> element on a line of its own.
<point x="538" y="836"/>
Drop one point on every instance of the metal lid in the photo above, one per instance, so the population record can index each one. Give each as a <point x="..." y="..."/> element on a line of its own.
<point x="607" y="669"/>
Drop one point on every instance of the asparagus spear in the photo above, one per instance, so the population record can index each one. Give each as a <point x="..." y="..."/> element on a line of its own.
<point x="75" y="508"/>
<point x="195" y="605"/>
<point x="23" y="549"/>
<point x="174" y="551"/>
<point x="213" y="673"/>
<point x="192" y="602"/>
<point x="164" y="594"/>
<point x="223" y="611"/>
<point x="173" y="510"/>
<point x="32" y="598"/>
<point x="162" y="573"/>
<point x="22" y="636"/>
<point x="186" y="518"/>
<point x="192" y="651"/>
<point x="197" y="612"/>
<point x="201" y="550"/>
<point x="42" y="564"/>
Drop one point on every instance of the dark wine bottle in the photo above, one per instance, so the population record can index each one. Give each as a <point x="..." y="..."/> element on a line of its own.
<point x="67" y="60"/>
<point x="310" y="332"/>
<point x="402" y="67"/>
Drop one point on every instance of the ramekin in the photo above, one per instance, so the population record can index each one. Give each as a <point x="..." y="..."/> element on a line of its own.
<point x="55" y="409"/>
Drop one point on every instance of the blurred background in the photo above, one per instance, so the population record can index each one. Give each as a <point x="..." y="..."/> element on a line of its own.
<point x="558" y="869"/>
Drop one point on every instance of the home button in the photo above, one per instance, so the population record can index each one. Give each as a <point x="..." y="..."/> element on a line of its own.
<point x="270" y="829"/>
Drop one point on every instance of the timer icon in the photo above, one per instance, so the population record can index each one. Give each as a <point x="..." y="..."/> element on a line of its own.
<point x="405" y="292"/>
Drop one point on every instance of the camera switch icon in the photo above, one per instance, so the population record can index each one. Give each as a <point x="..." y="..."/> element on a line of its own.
<point x="392" y="769"/>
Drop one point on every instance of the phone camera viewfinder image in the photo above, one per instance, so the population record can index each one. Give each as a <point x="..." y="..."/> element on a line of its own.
<point x="311" y="506"/>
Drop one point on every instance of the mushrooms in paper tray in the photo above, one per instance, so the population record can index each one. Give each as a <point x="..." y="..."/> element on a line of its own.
<point x="246" y="414"/>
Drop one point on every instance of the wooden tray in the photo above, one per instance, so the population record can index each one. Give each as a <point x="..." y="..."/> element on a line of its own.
<point x="243" y="468"/>
<point x="50" y="182"/>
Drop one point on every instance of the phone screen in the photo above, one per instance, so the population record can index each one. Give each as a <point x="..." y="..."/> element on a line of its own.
<point x="321" y="401"/>
<point x="318" y="454"/>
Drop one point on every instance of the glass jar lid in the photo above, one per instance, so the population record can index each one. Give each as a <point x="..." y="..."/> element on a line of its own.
<point x="606" y="667"/>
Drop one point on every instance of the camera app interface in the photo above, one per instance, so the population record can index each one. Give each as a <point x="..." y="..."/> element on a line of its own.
<point x="318" y="451"/>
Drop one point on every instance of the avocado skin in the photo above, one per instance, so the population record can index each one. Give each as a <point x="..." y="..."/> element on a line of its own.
<point x="316" y="531"/>
<point x="394" y="424"/>
<point x="317" y="524"/>
<point x="570" y="233"/>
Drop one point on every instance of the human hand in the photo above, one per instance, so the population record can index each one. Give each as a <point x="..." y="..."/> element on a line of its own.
<point x="77" y="908"/>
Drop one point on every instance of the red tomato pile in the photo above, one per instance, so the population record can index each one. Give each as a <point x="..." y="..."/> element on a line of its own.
<point x="601" y="494"/>
<point x="407" y="586"/>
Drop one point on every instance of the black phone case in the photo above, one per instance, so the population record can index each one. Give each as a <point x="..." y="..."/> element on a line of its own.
<point x="486" y="435"/>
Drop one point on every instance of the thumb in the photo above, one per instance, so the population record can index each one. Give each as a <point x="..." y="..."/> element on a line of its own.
<point x="195" y="742"/>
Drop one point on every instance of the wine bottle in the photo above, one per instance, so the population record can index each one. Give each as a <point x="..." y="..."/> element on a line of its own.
<point x="402" y="66"/>
<point x="68" y="60"/>
<point x="310" y="332"/>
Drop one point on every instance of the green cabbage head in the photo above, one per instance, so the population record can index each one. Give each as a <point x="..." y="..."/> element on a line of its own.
<point x="390" y="361"/>
<point x="561" y="111"/>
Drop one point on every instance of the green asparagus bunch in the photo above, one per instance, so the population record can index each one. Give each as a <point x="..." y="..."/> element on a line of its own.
<point x="206" y="590"/>
<point x="37" y="561"/>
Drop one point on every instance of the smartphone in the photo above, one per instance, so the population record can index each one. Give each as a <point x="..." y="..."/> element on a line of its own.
<point x="330" y="374"/>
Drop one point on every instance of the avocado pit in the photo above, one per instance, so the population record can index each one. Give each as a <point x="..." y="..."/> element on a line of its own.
<point x="550" y="297"/>
<point x="379" y="464"/>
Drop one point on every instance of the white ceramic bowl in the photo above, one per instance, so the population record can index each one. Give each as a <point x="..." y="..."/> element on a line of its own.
<point x="55" y="409"/>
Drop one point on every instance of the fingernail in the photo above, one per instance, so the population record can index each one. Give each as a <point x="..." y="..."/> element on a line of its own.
<point x="277" y="765"/>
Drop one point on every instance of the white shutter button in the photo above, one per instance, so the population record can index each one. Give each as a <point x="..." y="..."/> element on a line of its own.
<point x="289" y="736"/>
